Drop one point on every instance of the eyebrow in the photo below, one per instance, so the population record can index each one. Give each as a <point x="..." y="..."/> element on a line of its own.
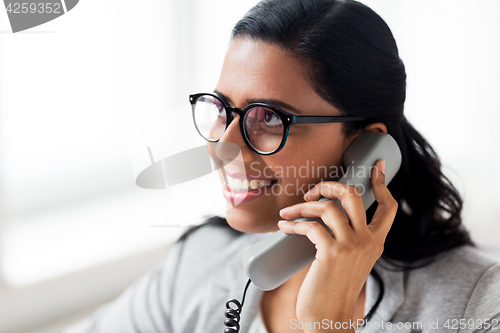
<point x="271" y="101"/>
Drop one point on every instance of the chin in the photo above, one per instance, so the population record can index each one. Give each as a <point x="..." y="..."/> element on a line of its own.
<point x="247" y="222"/>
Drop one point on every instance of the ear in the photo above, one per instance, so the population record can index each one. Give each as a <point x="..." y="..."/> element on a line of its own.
<point x="373" y="127"/>
<point x="376" y="127"/>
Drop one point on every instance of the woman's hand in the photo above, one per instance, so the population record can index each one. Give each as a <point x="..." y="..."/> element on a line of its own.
<point x="345" y="258"/>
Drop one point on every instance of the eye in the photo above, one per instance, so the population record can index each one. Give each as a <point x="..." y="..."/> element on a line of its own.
<point x="219" y="106"/>
<point x="270" y="118"/>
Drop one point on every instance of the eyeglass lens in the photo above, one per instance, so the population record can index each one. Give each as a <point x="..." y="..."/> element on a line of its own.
<point x="263" y="127"/>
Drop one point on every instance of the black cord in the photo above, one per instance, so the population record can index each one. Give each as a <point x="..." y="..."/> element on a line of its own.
<point x="232" y="321"/>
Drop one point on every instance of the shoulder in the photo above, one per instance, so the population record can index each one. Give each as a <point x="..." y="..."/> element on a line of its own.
<point x="476" y="279"/>
<point x="215" y="236"/>
<point x="212" y="246"/>
<point x="464" y="266"/>
<point x="460" y="283"/>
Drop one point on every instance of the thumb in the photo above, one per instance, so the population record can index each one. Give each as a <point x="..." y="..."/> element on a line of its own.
<point x="380" y="176"/>
<point x="387" y="206"/>
<point x="380" y="190"/>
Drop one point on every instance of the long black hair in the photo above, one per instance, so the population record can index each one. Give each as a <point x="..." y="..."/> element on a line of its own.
<point x="354" y="64"/>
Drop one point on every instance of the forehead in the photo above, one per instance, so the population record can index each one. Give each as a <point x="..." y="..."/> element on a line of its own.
<point x="259" y="69"/>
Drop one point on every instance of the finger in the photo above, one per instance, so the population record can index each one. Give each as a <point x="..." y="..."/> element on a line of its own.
<point x="312" y="229"/>
<point x="328" y="211"/>
<point x="349" y="196"/>
<point x="387" y="206"/>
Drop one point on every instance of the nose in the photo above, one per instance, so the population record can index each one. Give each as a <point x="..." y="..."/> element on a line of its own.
<point x="227" y="152"/>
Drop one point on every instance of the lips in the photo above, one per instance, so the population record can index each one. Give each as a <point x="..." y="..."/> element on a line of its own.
<point x="237" y="197"/>
<point x="242" y="175"/>
<point x="241" y="187"/>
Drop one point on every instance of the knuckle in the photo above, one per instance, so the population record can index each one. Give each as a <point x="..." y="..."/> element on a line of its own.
<point x="357" y="191"/>
<point x="330" y="205"/>
<point x="320" y="186"/>
<point x="312" y="190"/>
<point x="351" y="189"/>
<point x="391" y="203"/>
<point x="312" y="225"/>
<point x="335" y="189"/>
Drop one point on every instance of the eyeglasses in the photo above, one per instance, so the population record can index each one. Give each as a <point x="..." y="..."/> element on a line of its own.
<point x="264" y="127"/>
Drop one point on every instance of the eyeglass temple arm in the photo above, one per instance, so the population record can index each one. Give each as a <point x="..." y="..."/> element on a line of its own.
<point x="324" y="119"/>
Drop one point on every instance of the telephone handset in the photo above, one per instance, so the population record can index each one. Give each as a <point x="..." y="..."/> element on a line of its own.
<point x="276" y="258"/>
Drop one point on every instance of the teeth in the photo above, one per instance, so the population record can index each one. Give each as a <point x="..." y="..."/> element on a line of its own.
<point x="254" y="184"/>
<point x="237" y="184"/>
<point x="241" y="185"/>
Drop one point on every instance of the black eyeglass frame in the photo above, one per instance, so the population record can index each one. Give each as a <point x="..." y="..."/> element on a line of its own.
<point x="286" y="118"/>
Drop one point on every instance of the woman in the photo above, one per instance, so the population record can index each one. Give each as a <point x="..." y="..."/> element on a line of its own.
<point x="406" y="264"/>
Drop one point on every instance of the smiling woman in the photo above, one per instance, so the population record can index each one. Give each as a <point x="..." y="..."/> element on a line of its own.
<point x="408" y="259"/>
<point x="265" y="71"/>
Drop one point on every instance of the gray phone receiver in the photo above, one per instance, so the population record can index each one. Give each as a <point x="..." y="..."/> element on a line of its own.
<point x="276" y="258"/>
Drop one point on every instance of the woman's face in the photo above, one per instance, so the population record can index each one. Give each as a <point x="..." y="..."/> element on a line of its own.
<point x="255" y="71"/>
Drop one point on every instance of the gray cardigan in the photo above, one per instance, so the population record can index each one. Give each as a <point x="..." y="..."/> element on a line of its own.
<point x="188" y="292"/>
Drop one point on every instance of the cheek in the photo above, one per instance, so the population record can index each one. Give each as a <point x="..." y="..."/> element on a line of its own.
<point x="309" y="167"/>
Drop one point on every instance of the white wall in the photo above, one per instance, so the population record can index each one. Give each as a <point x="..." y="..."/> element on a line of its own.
<point x="451" y="50"/>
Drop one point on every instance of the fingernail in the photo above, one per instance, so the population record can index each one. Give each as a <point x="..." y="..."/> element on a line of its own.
<point x="282" y="222"/>
<point x="284" y="210"/>
<point x="382" y="167"/>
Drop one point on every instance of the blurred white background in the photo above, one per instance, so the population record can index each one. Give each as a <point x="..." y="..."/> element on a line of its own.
<point x="74" y="228"/>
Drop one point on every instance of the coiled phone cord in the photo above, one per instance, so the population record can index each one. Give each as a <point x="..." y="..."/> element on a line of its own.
<point x="232" y="321"/>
